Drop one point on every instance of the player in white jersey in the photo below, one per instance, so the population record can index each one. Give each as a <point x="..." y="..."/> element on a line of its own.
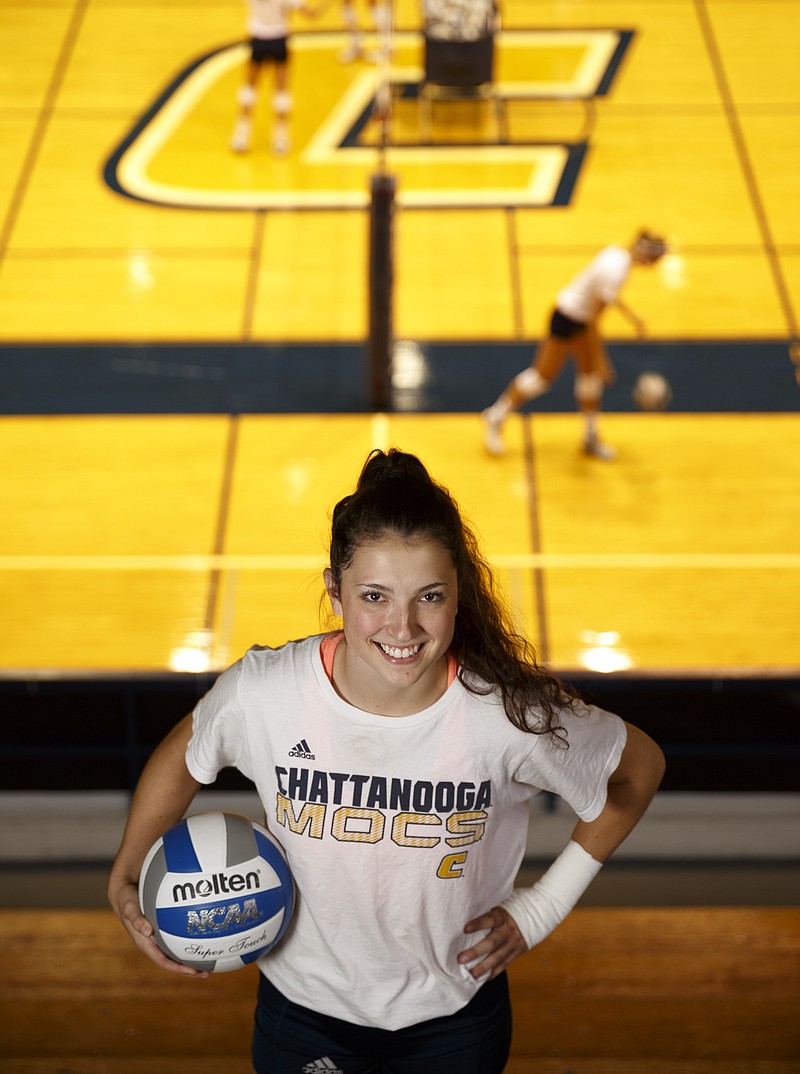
<point x="396" y="759"/>
<point x="574" y="331"/>
<point x="268" y="27"/>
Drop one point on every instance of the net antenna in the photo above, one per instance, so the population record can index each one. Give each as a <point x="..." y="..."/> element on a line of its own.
<point x="380" y="343"/>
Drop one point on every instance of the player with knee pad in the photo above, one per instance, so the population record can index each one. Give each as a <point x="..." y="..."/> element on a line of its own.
<point x="268" y="26"/>
<point x="573" y="332"/>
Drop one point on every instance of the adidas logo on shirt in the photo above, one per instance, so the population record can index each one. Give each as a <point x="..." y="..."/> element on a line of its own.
<point x="325" y="1064"/>
<point x="302" y="749"/>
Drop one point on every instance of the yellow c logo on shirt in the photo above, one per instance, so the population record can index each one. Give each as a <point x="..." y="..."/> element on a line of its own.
<point x="451" y="866"/>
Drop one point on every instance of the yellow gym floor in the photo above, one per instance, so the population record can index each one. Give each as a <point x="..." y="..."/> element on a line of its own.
<point x="148" y="542"/>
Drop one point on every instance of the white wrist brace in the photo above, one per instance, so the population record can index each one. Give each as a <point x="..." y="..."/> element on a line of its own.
<point x="539" y="909"/>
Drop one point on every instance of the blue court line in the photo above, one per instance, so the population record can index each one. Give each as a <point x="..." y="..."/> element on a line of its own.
<point x="303" y="378"/>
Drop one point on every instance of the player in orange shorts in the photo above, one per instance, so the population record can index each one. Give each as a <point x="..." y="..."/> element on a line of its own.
<point x="574" y="331"/>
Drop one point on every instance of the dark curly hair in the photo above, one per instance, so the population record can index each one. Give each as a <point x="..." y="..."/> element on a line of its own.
<point x="396" y="495"/>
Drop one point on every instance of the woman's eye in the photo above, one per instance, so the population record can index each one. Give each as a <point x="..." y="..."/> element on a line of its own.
<point x="433" y="597"/>
<point x="372" y="597"/>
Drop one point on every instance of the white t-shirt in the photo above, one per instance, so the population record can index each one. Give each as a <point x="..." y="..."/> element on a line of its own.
<point x="596" y="285"/>
<point x="398" y="830"/>
<point x="269" y="19"/>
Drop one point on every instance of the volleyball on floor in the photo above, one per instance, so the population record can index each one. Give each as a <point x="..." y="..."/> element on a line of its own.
<point x="217" y="890"/>
<point x="652" y="392"/>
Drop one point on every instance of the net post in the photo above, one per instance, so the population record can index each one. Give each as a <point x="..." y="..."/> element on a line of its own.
<point x="380" y="283"/>
<point x="381" y="287"/>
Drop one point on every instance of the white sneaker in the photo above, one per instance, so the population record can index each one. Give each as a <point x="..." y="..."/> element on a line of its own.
<point x="240" y="139"/>
<point x="493" y="435"/>
<point x="281" y="143"/>
<point x="598" y="449"/>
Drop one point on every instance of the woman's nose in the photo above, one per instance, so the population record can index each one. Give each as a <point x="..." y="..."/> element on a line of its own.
<point x="403" y="623"/>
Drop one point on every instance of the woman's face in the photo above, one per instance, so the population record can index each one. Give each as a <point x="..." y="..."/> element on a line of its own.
<point x="398" y="600"/>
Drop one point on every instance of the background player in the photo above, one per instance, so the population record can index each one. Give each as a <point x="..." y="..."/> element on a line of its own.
<point x="268" y="26"/>
<point x="574" y="331"/>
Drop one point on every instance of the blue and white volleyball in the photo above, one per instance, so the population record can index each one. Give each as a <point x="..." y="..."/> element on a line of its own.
<point x="217" y="890"/>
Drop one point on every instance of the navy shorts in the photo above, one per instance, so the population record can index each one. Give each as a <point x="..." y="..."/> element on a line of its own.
<point x="563" y="327"/>
<point x="262" y="49"/>
<point x="290" y="1039"/>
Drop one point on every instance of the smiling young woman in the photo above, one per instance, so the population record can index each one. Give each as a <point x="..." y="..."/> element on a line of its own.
<point x="398" y="600"/>
<point x="427" y="726"/>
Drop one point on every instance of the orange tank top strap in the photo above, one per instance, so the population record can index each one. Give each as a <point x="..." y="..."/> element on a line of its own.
<point x="327" y="649"/>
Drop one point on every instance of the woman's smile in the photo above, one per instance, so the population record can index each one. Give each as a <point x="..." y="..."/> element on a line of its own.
<point x="396" y="653"/>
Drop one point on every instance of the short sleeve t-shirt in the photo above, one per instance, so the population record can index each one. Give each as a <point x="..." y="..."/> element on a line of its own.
<point x="596" y="286"/>
<point x="398" y="830"/>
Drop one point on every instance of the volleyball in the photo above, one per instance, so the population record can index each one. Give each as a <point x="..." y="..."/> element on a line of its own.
<point x="652" y="392"/>
<point x="217" y="890"/>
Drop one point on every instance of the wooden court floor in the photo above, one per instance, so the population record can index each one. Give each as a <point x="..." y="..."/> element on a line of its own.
<point x="678" y="991"/>
<point x="137" y="542"/>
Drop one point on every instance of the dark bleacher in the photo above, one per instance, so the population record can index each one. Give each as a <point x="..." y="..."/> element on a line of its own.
<point x="95" y="733"/>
